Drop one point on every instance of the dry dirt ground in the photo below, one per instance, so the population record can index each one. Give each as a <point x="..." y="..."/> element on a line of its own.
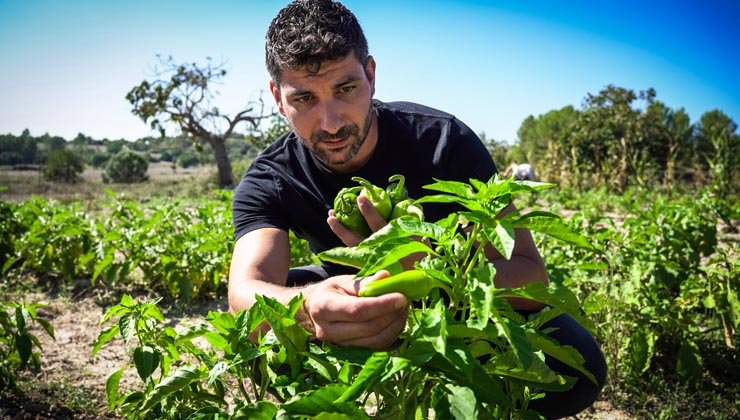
<point x="71" y="383"/>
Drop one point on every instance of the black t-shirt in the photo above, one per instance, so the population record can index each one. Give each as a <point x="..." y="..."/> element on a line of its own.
<point x="286" y="187"/>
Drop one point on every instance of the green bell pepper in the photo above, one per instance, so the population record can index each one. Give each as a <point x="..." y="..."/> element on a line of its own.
<point x="377" y="196"/>
<point x="397" y="192"/>
<point x="407" y="208"/>
<point x="347" y="212"/>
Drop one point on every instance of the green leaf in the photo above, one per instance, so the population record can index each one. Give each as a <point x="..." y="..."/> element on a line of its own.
<point x="111" y="388"/>
<point x="352" y="257"/>
<point x="217" y="340"/>
<point x="517" y="338"/>
<point x="552" y="225"/>
<point x="467" y="203"/>
<point x="104" y="337"/>
<point x="482" y="292"/>
<point x="432" y="327"/>
<point x="538" y="373"/>
<point x="321" y="400"/>
<point x="388" y="254"/>
<point x="24" y="346"/>
<point x="176" y="381"/>
<point x="462" y="368"/>
<point x="566" y="354"/>
<point x="290" y="334"/>
<point x="401" y="228"/>
<point x="102" y="265"/>
<point x="506" y="238"/>
<point x="146" y="360"/>
<point x="463" y="405"/>
<point x="457" y="188"/>
<point x="260" y="410"/>
<point x="21" y="315"/>
<point x="367" y="378"/>
<point x="224" y="322"/>
<point x="127" y="326"/>
<point x="216" y="371"/>
<point x="555" y="295"/>
<point x="46" y="326"/>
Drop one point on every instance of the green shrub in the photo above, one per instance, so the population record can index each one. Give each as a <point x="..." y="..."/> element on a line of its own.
<point x="188" y="159"/>
<point x="126" y="167"/>
<point x="63" y="166"/>
<point x="98" y="159"/>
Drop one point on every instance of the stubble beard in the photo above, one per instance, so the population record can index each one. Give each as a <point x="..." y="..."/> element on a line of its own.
<point x="352" y="131"/>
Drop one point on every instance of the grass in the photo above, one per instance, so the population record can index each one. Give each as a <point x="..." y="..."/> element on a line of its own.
<point x="17" y="186"/>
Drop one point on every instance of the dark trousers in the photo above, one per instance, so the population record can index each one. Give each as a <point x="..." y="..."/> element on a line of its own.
<point x="568" y="332"/>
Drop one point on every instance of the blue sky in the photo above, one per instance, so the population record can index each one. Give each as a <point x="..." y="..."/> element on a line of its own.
<point x="67" y="65"/>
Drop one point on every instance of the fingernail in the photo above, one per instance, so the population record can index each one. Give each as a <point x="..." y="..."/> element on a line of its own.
<point x="401" y="303"/>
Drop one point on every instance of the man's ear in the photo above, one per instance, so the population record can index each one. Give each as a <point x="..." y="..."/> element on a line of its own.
<point x="370" y="72"/>
<point x="275" y="90"/>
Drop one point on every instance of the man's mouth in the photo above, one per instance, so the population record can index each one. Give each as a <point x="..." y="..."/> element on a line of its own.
<point x="337" y="143"/>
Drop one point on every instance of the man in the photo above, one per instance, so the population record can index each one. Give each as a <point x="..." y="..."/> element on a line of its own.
<point x="521" y="172"/>
<point x="323" y="81"/>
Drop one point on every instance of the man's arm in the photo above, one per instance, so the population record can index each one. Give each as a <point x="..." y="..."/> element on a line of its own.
<point x="331" y="310"/>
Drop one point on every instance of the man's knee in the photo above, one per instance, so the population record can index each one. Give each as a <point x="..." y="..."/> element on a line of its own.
<point x="584" y="392"/>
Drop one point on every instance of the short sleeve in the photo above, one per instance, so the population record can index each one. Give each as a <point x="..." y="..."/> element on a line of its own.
<point x="256" y="201"/>
<point x="469" y="157"/>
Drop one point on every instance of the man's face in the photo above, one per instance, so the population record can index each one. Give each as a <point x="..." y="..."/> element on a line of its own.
<point x="331" y="110"/>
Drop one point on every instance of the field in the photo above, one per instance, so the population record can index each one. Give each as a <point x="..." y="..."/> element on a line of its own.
<point x="661" y="290"/>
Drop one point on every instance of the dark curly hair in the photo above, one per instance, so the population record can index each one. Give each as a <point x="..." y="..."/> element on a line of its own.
<point x="307" y="33"/>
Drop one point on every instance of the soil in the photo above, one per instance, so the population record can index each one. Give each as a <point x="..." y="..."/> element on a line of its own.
<point x="71" y="383"/>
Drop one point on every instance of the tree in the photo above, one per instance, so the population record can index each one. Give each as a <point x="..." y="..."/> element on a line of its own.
<point x="182" y="95"/>
<point x="127" y="167"/>
<point x="63" y="166"/>
<point x="719" y="146"/>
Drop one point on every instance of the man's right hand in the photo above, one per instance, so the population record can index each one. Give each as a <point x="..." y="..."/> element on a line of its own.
<point x="338" y="315"/>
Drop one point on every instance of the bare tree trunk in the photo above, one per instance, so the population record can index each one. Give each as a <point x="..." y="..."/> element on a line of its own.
<point x="225" y="176"/>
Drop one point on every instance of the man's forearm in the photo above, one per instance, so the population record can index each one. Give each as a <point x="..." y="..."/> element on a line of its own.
<point x="516" y="272"/>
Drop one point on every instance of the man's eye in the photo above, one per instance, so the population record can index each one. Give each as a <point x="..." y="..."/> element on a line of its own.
<point x="347" y="89"/>
<point x="302" y="99"/>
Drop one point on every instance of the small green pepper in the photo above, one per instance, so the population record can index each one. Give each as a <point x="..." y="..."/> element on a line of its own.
<point x="397" y="192"/>
<point x="414" y="284"/>
<point x="347" y="212"/>
<point x="377" y="196"/>
<point x="407" y="208"/>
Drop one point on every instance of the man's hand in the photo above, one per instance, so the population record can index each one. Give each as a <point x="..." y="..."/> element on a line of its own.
<point x="349" y="238"/>
<point x="340" y="316"/>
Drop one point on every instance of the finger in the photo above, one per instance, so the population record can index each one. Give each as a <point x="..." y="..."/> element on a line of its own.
<point x="358" y="309"/>
<point x="358" y="284"/>
<point x="373" y="218"/>
<point x="347" y="237"/>
<point x="383" y="338"/>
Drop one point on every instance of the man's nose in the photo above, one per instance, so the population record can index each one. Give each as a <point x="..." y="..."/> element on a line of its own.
<point x="331" y="118"/>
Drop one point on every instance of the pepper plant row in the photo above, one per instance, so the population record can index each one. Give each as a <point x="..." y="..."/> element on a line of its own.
<point x="661" y="284"/>
<point x="180" y="249"/>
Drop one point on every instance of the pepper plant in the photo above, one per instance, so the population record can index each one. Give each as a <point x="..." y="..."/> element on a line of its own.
<point x="466" y="352"/>
<point x="17" y="342"/>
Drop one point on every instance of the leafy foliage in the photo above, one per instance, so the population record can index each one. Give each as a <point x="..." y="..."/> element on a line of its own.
<point x="63" y="166"/>
<point x="127" y="167"/>
<point x="17" y="342"/>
